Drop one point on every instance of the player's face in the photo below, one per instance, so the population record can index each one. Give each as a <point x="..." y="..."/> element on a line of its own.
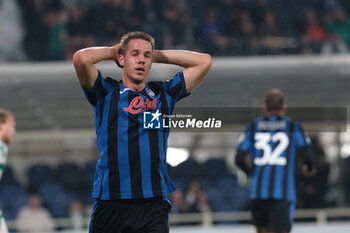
<point x="137" y="60"/>
<point x="9" y="129"/>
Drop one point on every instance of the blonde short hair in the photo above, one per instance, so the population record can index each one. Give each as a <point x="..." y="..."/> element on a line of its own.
<point x="135" y="35"/>
<point x="5" y="115"/>
<point x="274" y="100"/>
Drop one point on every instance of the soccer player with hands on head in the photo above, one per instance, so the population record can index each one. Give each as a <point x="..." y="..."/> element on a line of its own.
<point x="131" y="180"/>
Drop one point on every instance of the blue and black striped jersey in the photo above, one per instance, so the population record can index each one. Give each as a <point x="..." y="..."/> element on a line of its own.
<point x="132" y="161"/>
<point x="273" y="144"/>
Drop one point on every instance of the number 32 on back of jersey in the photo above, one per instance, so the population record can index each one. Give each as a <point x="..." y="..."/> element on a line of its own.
<point x="271" y="156"/>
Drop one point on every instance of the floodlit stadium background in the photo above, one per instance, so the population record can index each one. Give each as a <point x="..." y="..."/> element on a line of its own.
<point x="56" y="127"/>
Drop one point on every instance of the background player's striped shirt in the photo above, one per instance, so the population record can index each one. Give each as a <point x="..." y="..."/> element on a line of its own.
<point x="273" y="144"/>
<point x="3" y="157"/>
<point x="132" y="160"/>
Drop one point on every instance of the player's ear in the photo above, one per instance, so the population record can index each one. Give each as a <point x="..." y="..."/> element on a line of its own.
<point x="284" y="109"/>
<point x="264" y="109"/>
<point x="121" y="60"/>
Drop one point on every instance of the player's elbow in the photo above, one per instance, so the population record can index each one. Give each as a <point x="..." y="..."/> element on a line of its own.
<point x="80" y="59"/>
<point x="207" y="61"/>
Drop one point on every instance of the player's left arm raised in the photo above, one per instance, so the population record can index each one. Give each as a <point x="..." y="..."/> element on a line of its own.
<point x="197" y="65"/>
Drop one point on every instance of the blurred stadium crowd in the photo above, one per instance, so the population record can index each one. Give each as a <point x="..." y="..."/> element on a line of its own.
<point x="38" y="30"/>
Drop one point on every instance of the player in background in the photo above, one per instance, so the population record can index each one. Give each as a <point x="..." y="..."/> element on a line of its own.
<point x="131" y="180"/>
<point x="7" y="131"/>
<point x="267" y="153"/>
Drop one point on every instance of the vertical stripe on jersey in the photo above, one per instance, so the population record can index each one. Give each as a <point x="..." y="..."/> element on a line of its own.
<point x="271" y="168"/>
<point x="273" y="145"/>
<point x="102" y="164"/>
<point x="163" y="145"/>
<point x="255" y="188"/>
<point x="145" y="161"/>
<point x="134" y="153"/>
<point x="262" y="169"/>
<point x="291" y="171"/>
<point x="258" y="169"/>
<point x="113" y="175"/>
<point x="123" y="150"/>
<point x="154" y="147"/>
<point x="265" y="181"/>
<point x="288" y="169"/>
<point x="280" y="170"/>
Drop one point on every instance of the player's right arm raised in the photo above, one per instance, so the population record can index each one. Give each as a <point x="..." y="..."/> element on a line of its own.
<point x="85" y="59"/>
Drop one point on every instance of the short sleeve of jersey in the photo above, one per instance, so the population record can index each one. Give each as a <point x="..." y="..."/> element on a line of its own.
<point x="100" y="88"/>
<point x="300" y="138"/>
<point x="176" y="87"/>
<point x="244" y="142"/>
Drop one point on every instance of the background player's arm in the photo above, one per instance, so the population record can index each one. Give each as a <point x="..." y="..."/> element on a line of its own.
<point x="242" y="161"/>
<point x="85" y="59"/>
<point x="307" y="156"/>
<point x="197" y="65"/>
<point x="303" y="143"/>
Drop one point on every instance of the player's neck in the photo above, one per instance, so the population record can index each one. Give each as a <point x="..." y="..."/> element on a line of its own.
<point x="134" y="85"/>
<point x="275" y="113"/>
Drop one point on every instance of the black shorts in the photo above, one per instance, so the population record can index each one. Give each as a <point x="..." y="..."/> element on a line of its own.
<point x="275" y="215"/>
<point x="149" y="215"/>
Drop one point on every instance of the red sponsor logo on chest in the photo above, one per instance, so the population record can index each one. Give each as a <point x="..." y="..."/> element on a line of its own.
<point x="138" y="104"/>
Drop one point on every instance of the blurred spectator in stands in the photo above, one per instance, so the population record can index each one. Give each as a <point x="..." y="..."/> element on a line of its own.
<point x="77" y="215"/>
<point x="270" y="32"/>
<point x="176" y="23"/>
<point x="210" y="29"/>
<point x="222" y="27"/>
<point x="116" y="20"/>
<point x="196" y="199"/>
<point x="96" y="19"/>
<point x="133" y="22"/>
<point x="269" y="26"/>
<point x="315" y="36"/>
<point x="197" y="202"/>
<point x="256" y="9"/>
<point x="334" y="45"/>
<point x="203" y="205"/>
<point x="339" y="24"/>
<point x="331" y="6"/>
<point x="346" y="5"/>
<point x="247" y="35"/>
<point x="150" y="17"/>
<point x="315" y="188"/>
<point x="82" y="4"/>
<point x="178" y="203"/>
<point x="224" y="46"/>
<point x="191" y="196"/>
<point x="228" y="13"/>
<point x="11" y="31"/>
<point x="36" y="38"/>
<point x="58" y="35"/>
<point x="34" y="217"/>
<point x="79" y="34"/>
